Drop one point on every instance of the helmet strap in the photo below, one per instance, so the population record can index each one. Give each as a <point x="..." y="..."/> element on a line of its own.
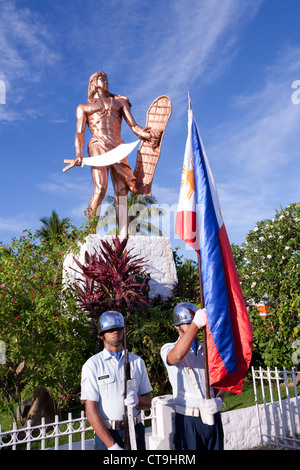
<point x="114" y="343"/>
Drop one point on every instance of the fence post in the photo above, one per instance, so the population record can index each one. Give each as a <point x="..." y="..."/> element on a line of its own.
<point x="14" y="436"/>
<point x="43" y="433"/>
<point x="28" y="435"/>
<point x="83" y="431"/>
<point x="296" y="394"/>
<point x="289" y="405"/>
<point x="70" y="429"/>
<point x="56" y="432"/>
<point x="256" y="404"/>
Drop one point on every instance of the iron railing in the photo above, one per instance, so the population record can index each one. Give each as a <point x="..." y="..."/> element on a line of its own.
<point x="278" y="407"/>
<point x="72" y="433"/>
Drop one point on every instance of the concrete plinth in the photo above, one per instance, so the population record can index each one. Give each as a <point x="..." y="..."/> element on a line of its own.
<point x="156" y="251"/>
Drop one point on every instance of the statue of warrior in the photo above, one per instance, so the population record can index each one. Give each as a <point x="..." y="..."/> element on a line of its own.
<point x="103" y="113"/>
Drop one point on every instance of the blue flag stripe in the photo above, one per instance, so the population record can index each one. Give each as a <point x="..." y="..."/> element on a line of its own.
<point x="213" y="278"/>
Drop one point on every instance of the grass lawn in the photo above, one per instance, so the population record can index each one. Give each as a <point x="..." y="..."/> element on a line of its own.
<point x="234" y="401"/>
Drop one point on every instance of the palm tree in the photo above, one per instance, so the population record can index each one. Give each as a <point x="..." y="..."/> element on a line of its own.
<point x="53" y="227"/>
<point x="141" y="210"/>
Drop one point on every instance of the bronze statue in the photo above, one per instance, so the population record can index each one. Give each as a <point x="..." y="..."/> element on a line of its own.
<point x="103" y="113"/>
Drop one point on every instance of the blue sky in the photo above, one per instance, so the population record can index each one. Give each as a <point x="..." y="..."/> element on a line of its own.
<point x="238" y="59"/>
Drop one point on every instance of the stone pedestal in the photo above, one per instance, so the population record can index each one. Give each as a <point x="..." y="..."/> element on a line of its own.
<point x="156" y="251"/>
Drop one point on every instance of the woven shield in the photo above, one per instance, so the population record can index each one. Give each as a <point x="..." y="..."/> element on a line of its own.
<point x="148" y="154"/>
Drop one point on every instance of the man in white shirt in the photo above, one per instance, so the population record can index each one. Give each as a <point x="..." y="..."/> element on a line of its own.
<point x="184" y="361"/>
<point x="103" y="385"/>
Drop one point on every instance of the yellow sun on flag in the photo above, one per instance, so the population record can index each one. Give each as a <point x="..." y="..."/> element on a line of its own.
<point x="188" y="180"/>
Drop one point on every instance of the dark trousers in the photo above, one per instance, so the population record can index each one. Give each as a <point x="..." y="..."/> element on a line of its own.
<point x="118" y="436"/>
<point x="192" y="434"/>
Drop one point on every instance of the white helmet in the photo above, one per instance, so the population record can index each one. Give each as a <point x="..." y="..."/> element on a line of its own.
<point x="183" y="313"/>
<point x="110" y="320"/>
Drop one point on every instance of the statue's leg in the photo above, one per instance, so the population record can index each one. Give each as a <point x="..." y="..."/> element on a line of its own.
<point x="121" y="191"/>
<point x="100" y="180"/>
<point x="123" y="170"/>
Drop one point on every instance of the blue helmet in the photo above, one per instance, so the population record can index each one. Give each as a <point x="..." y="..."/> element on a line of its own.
<point x="110" y="320"/>
<point x="183" y="313"/>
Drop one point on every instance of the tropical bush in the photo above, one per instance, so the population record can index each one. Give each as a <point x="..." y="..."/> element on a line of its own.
<point x="268" y="263"/>
<point x="187" y="286"/>
<point x="147" y="331"/>
<point x="111" y="280"/>
<point x="46" y="338"/>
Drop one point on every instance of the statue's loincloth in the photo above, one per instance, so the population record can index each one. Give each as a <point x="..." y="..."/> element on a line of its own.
<point x="99" y="145"/>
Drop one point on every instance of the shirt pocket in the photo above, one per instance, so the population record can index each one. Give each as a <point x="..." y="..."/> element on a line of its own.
<point x="106" y="383"/>
<point x="136" y="381"/>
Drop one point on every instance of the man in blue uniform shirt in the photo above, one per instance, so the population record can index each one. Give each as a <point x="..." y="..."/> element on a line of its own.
<point x="198" y="423"/>
<point x="102" y="387"/>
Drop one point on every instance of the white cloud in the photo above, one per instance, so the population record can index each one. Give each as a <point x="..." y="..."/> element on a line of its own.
<point x="15" y="224"/>
<point x="195" y="40"/>
<point x="77" y="187"/>
<point x="26" y="50"/>
<point x="268" y="121"/>
<point x="256" y="153"/>
<point x="24" y="41"/>
<point x="175" y="45"/>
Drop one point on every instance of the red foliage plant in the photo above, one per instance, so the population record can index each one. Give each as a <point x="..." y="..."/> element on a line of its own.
<point x="111" y="280"/>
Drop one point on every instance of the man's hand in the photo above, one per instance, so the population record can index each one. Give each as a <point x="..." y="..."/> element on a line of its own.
<point x="115" y="447"/>
<point x="200" y="318"/>
<point x="131" y="399"/>
<point x="213" y="405"/>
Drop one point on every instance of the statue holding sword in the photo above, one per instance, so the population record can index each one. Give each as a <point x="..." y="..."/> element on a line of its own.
<point x="103" y="113"/>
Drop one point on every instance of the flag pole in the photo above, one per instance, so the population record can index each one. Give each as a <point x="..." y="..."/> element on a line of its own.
<point x="204" y="332"/>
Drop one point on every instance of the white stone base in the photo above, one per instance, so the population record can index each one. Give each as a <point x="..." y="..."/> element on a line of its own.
<point x="156" y="251"/>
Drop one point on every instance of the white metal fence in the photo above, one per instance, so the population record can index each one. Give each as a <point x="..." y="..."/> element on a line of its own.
<point x="73" y="433"/>
<point x="277" y="398"/>
<point x="278" y="407"/>
<point x="47" y="435"/>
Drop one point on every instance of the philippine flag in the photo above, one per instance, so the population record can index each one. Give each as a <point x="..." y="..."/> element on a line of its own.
<point x="199" y="223"/>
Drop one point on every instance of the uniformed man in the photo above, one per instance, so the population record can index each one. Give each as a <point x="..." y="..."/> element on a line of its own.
<point x="102" y="387"/>
<point x="184" y="361"/>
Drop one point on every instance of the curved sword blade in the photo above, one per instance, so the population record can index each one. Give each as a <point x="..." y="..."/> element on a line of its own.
<point x="111" y="157"/>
